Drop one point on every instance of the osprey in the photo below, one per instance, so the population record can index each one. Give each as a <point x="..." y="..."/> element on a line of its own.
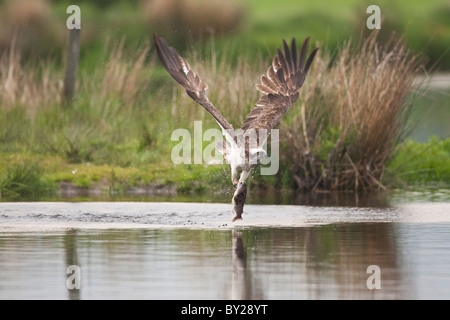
<point x="280" y="88"/>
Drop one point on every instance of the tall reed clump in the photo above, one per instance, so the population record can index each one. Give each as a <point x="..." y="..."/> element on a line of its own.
<point x="350" y="116"/>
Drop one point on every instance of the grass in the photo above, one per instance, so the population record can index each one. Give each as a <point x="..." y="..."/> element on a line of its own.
<point x="421" y="163"/>
<point x="31" y="175"/>
<point x="24" y="179"/>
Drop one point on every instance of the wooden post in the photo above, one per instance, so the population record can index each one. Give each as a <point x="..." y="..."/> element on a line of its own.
<point x="73" y="54"/>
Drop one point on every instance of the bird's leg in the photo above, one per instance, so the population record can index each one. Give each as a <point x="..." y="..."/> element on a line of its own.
<point x="234" y="179"/>
<point x="240" y="195"/>
<point x="244" y="175"/>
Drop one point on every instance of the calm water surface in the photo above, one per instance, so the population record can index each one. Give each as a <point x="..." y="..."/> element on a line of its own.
<point x="131" y="250"/>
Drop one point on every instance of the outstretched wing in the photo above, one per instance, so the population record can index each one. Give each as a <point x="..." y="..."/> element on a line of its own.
<point x="280" y="87"/>
<point x="180" y="70"/>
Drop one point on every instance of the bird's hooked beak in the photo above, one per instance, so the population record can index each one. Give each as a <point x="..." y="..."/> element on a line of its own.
<point x="239" y="200"/>
<point x="261" y="151"/>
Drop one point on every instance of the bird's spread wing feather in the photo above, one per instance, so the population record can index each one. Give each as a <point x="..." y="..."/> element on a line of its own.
<point x="196" y="88"/>
<point x="279" y="86"/>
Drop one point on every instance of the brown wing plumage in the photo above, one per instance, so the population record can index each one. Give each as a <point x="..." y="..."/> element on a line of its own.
<point x="280" y="86"/>
<point x="180" y="70"/>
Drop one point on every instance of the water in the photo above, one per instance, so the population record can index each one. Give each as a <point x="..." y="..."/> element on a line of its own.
<point x="132" y="250"/>
<point x="431" y="110"/>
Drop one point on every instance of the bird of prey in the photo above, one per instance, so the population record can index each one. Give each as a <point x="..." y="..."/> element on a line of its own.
<point x="280" y="89"/>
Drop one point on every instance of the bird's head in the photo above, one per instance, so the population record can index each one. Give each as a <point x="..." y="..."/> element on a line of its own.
<point x="255" y="151"/>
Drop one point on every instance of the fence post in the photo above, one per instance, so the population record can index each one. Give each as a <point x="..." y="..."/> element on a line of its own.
<point x="73" y="54"/>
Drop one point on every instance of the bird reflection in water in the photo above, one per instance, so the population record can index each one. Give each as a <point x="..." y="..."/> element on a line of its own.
<point x="241" y="279"/>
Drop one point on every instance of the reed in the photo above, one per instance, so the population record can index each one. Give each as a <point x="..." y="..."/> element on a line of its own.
<point x="31" y="87"/>
<point x="351" y="116"/>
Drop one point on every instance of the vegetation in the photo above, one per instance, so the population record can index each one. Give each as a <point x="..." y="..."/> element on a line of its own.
<point x="24" y="179"/>
<point x="39" y="25"/>
<point x="343" y="133"/>
<point x="351" y="118"/>
<point x="417" y="164"/>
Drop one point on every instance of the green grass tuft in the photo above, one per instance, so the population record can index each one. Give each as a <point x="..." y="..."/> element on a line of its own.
<point x="421" y="164"/>
<point x="24" y="180"/>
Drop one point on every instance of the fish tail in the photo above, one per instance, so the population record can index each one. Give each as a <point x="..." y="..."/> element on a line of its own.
<point x="236" y="218"/>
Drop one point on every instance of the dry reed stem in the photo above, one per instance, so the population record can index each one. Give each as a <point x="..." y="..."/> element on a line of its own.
<point x="121" y="74"/>
<point x="30" y="88"/>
